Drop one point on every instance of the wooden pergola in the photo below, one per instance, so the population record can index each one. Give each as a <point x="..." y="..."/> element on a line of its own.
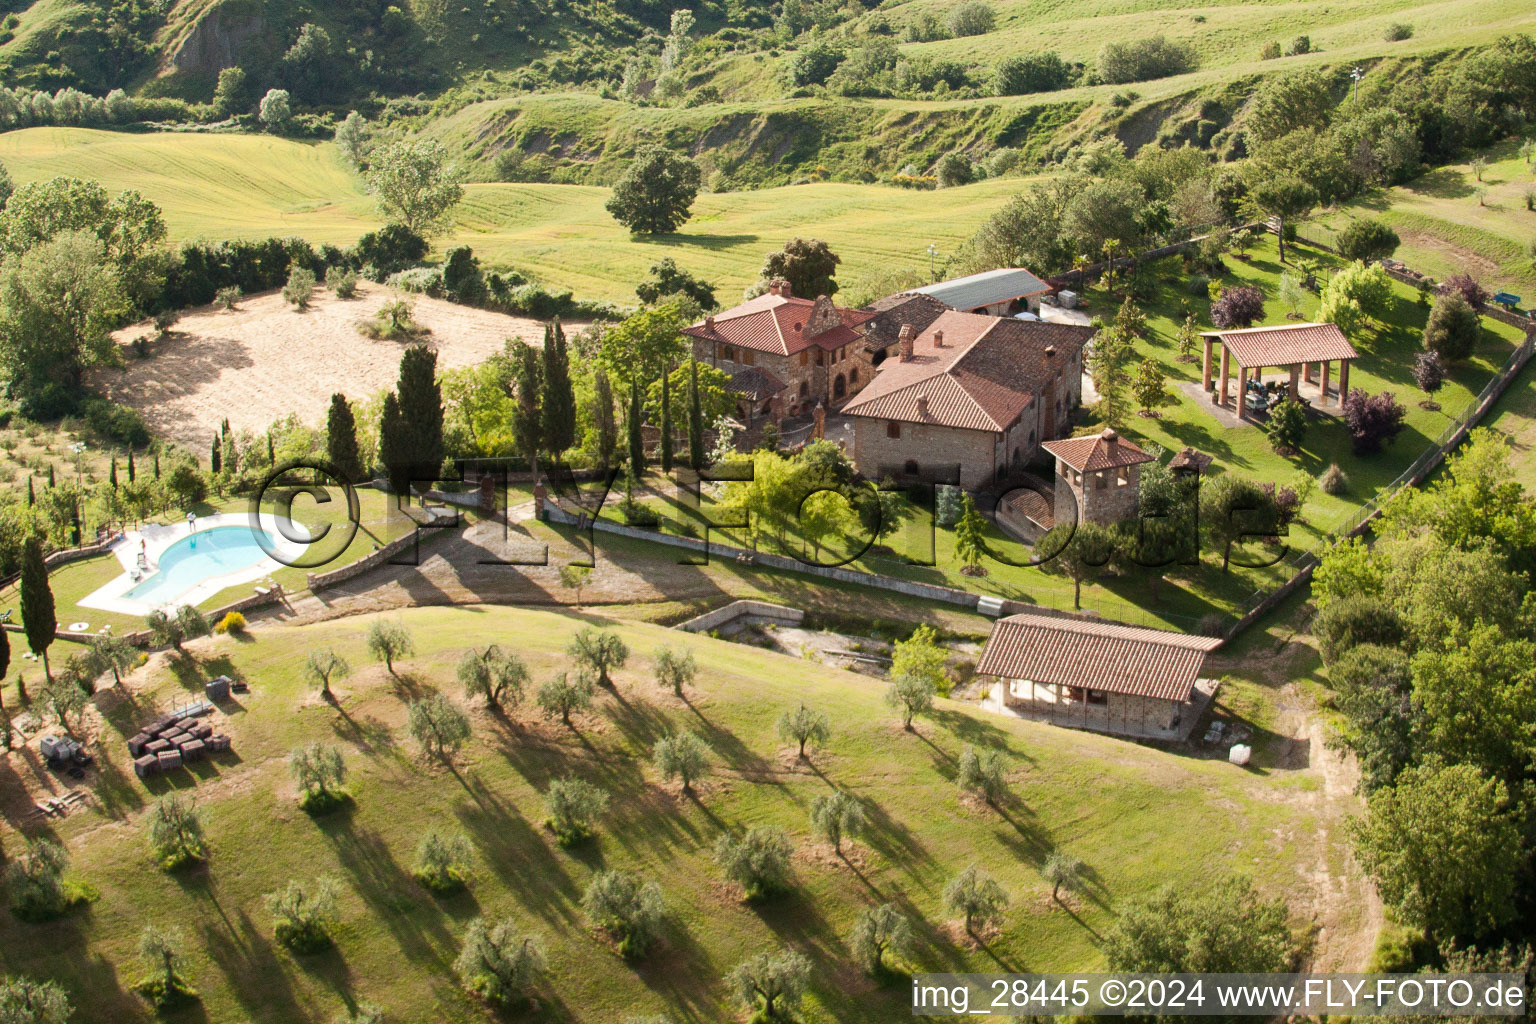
<point x="1308" y="351"/>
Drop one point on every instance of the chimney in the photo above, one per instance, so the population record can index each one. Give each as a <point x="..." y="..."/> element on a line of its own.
<point x="773" y="287"/>
<point x="938" y="339"/>
<point x="709" y="324"/>
<point x="1109" y="436"/>
<point x="922" y="406"/>
<point x="1050" y="351"/>
<point x="904" y="340"/>
<point x="784" y="289"/>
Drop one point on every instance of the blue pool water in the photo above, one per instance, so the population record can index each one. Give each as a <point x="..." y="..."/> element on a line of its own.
<point x="199" y="556"/>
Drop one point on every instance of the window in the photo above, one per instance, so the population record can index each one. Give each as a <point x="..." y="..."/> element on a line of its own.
<point x="820" y="356"/>
<point x="749" y="357"/>
<point x="1122" y="476"/>
<point x="853" y="375"/>
<point x="1100" y="482"/>
<point x="892" y="428"/>
<point x="727" y="353"/>
<point x="839" y="387"/>
<point x="805" y="356"/>
<point x="1098" y="697"/>
<point x="911" y="467"/>
<point x="805" y="389"/>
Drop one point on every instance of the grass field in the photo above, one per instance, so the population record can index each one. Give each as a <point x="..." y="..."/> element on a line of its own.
<point x="242" y="186"/>
<point x="1137" y="817"/>
<point x="1450" y="222"/>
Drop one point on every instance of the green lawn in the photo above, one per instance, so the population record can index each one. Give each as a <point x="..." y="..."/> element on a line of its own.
<point x="1138" y="817"/>
<point x="1449" y="227"/>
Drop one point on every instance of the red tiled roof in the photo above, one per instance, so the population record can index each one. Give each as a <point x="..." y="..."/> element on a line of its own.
<point x="1106" y="450"/>
<point x="777" y="324"/>
<point x="987" y="372"/>
<point x="1286" y="344"/>
<point x="754" y="383"/>
<point x="1033" y="506"/>
<point x="1096" y="655"/>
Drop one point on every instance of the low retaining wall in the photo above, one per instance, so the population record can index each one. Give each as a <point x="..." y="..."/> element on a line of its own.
<point x="143" y="638"/>
<point x="319" y="581"/>
<point x="753" y="612"/>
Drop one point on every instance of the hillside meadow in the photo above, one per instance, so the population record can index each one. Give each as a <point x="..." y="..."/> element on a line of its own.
<point x="217" y="186"/>
<point x="1138" y="818"/>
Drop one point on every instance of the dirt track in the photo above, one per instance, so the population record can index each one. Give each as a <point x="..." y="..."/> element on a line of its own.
<point x="264" y="360"/>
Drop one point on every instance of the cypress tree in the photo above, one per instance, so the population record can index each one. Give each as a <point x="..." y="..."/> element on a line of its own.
<point x="271" y="450"/>
<point x="38" y="620"/>
<point x="215" y="454"/>
<point x="341" y="440"/>
<point x="395" y="446"/>
<point x="421" y="407"/>
<point x="51" y="481"/>
<point x="157" y="465"/>
<point x="5" y="665"/>
<point x="112" y="473"/>
<point x="559" y="413"/>
<point x="527" y="417"/>
<point x="224" y="427"/>
<point x="31" y="494"/>
<point x="131" y="474"/>
<point x="636" y="443"/>
<point x="603" y="418"/>
<point x="695" y="418"/>
<point x="666" y="423"/>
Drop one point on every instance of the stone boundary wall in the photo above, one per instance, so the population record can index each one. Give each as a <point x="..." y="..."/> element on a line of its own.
<point x="142" y="638"/>
<point x="319" y="581"/>
<point x="751" y="611"/>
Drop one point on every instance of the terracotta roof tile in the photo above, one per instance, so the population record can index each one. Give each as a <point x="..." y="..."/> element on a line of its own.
<point x="987" y="372"/>
<point x="895" y="311"/>
<point x="1100" y="656"/>
<point x="778" y="325"/>
<point x="1286" y="344"/>
<point x="754" y="383"/>
<point x="1106" y="450"/>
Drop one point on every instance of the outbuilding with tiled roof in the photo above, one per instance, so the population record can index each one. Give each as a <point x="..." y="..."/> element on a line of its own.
<point x="1097" y="675"/>
<point x="1098" y="477"/>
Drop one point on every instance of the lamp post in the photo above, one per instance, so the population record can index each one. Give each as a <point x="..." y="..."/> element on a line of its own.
<point x="932" y="252"/>
<point x="1357" y="74"/>
<point x="78" y="450"/>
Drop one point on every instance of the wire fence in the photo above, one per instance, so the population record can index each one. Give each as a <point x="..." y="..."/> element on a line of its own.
<point x="1302" y="563"/>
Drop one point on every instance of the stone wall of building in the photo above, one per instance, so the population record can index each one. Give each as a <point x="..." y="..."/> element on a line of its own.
<point x="808" y="380"/>
<point x="931" y="448"/>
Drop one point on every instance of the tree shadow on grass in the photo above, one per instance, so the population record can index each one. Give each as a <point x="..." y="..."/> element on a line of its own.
<point x="892" y="839"/>
<point x="517" y="852"/>
<point x="742" y="759"/>
<point x="246" y="958"/>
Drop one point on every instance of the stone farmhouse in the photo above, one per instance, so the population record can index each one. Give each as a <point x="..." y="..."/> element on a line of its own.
<point x="882" y="333"/>
<point x="785" y="355"/>
<point x="1108" y="678"/>
<point x="981" y="392"/>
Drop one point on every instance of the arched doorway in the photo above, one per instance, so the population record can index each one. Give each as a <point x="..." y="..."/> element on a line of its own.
<point x="839" y="387"/>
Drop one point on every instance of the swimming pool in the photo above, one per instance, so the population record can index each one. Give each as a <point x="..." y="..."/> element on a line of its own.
<point x="201" y="555"/>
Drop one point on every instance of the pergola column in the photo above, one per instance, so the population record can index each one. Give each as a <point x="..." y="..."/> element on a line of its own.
<point x="1206" y="376"/>
<point x="1307" y="373"/>
<point x="1343" y="380"/>
<point x="1226" y="371"/>
<point x="1242" y="393"/>
<point x="1295" y="380"/>
<point x="1323" y="388"/>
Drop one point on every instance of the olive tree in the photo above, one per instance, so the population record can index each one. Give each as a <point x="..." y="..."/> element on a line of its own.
<point x="976" y="896"/>
<point x="439" y="725"/>
<point x="322" y="667"/>
<point x="835" y="817"/>
<point x="35" y="881"/>
<point x="498" y="961"/>
<point x="757" y="861"/>
<point x="985" y="774"/>
<point x="442" y="861"/>
<point x="24" y="1001"/>
<point x="303" y="913"/>
<point x="320" y="772"/>
<point x="163" y="953"/>
<point x="176" y="831"/>
<point x="561" y="697"/>
<point x="574" y="806"/>
<point x="675" y="668"/>
<point x="598" y="650"/>
<point x="627" y="907"/>
<point x="803" y="726"/>
<point x="497" y="675"/>
<point x="771" y="985"/>
<point x="880" y="931"/>
<point x="388" y="641"/>
<point x="912" y="695"/>
<point x="683" y="756"/>
<point x="1063" y="871"/>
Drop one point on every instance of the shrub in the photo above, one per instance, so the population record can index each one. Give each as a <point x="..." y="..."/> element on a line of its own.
<point x="35" y="882"/>
<point x="1198" y="285"/>
<point x="1271" y="51"/>
<point x="1467" y="288"/>
<point x="1367" y="239"/>
<point x="1027" y="73"/>
<point x="1286" y="426"/>
<point x="955" y="169"/>
<point x="1397" y="32"/>
<point x="1299" y="46"/>
<point x="1374" y="421"/>
<point x="1429" y="372"/>
<point x="232" y="622"/>
<point x="1453" y="328"/>
<point x="1333" y="480"/>
<point x="1347" y="624"/>
<point x="345" y="284"/>
<point x="1145" y="59"/>
<point x="1238" y="307"/>
<point x="972" y="19"/>
<point x="395" y="321"/>
<point x="813" y="63"/>
<point x="389" y="250"/>
<point x="113" y="422"/>
<point x="300" y="287"/>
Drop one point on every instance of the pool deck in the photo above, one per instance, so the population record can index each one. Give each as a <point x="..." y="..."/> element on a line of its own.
<point x="152" y="540"/>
